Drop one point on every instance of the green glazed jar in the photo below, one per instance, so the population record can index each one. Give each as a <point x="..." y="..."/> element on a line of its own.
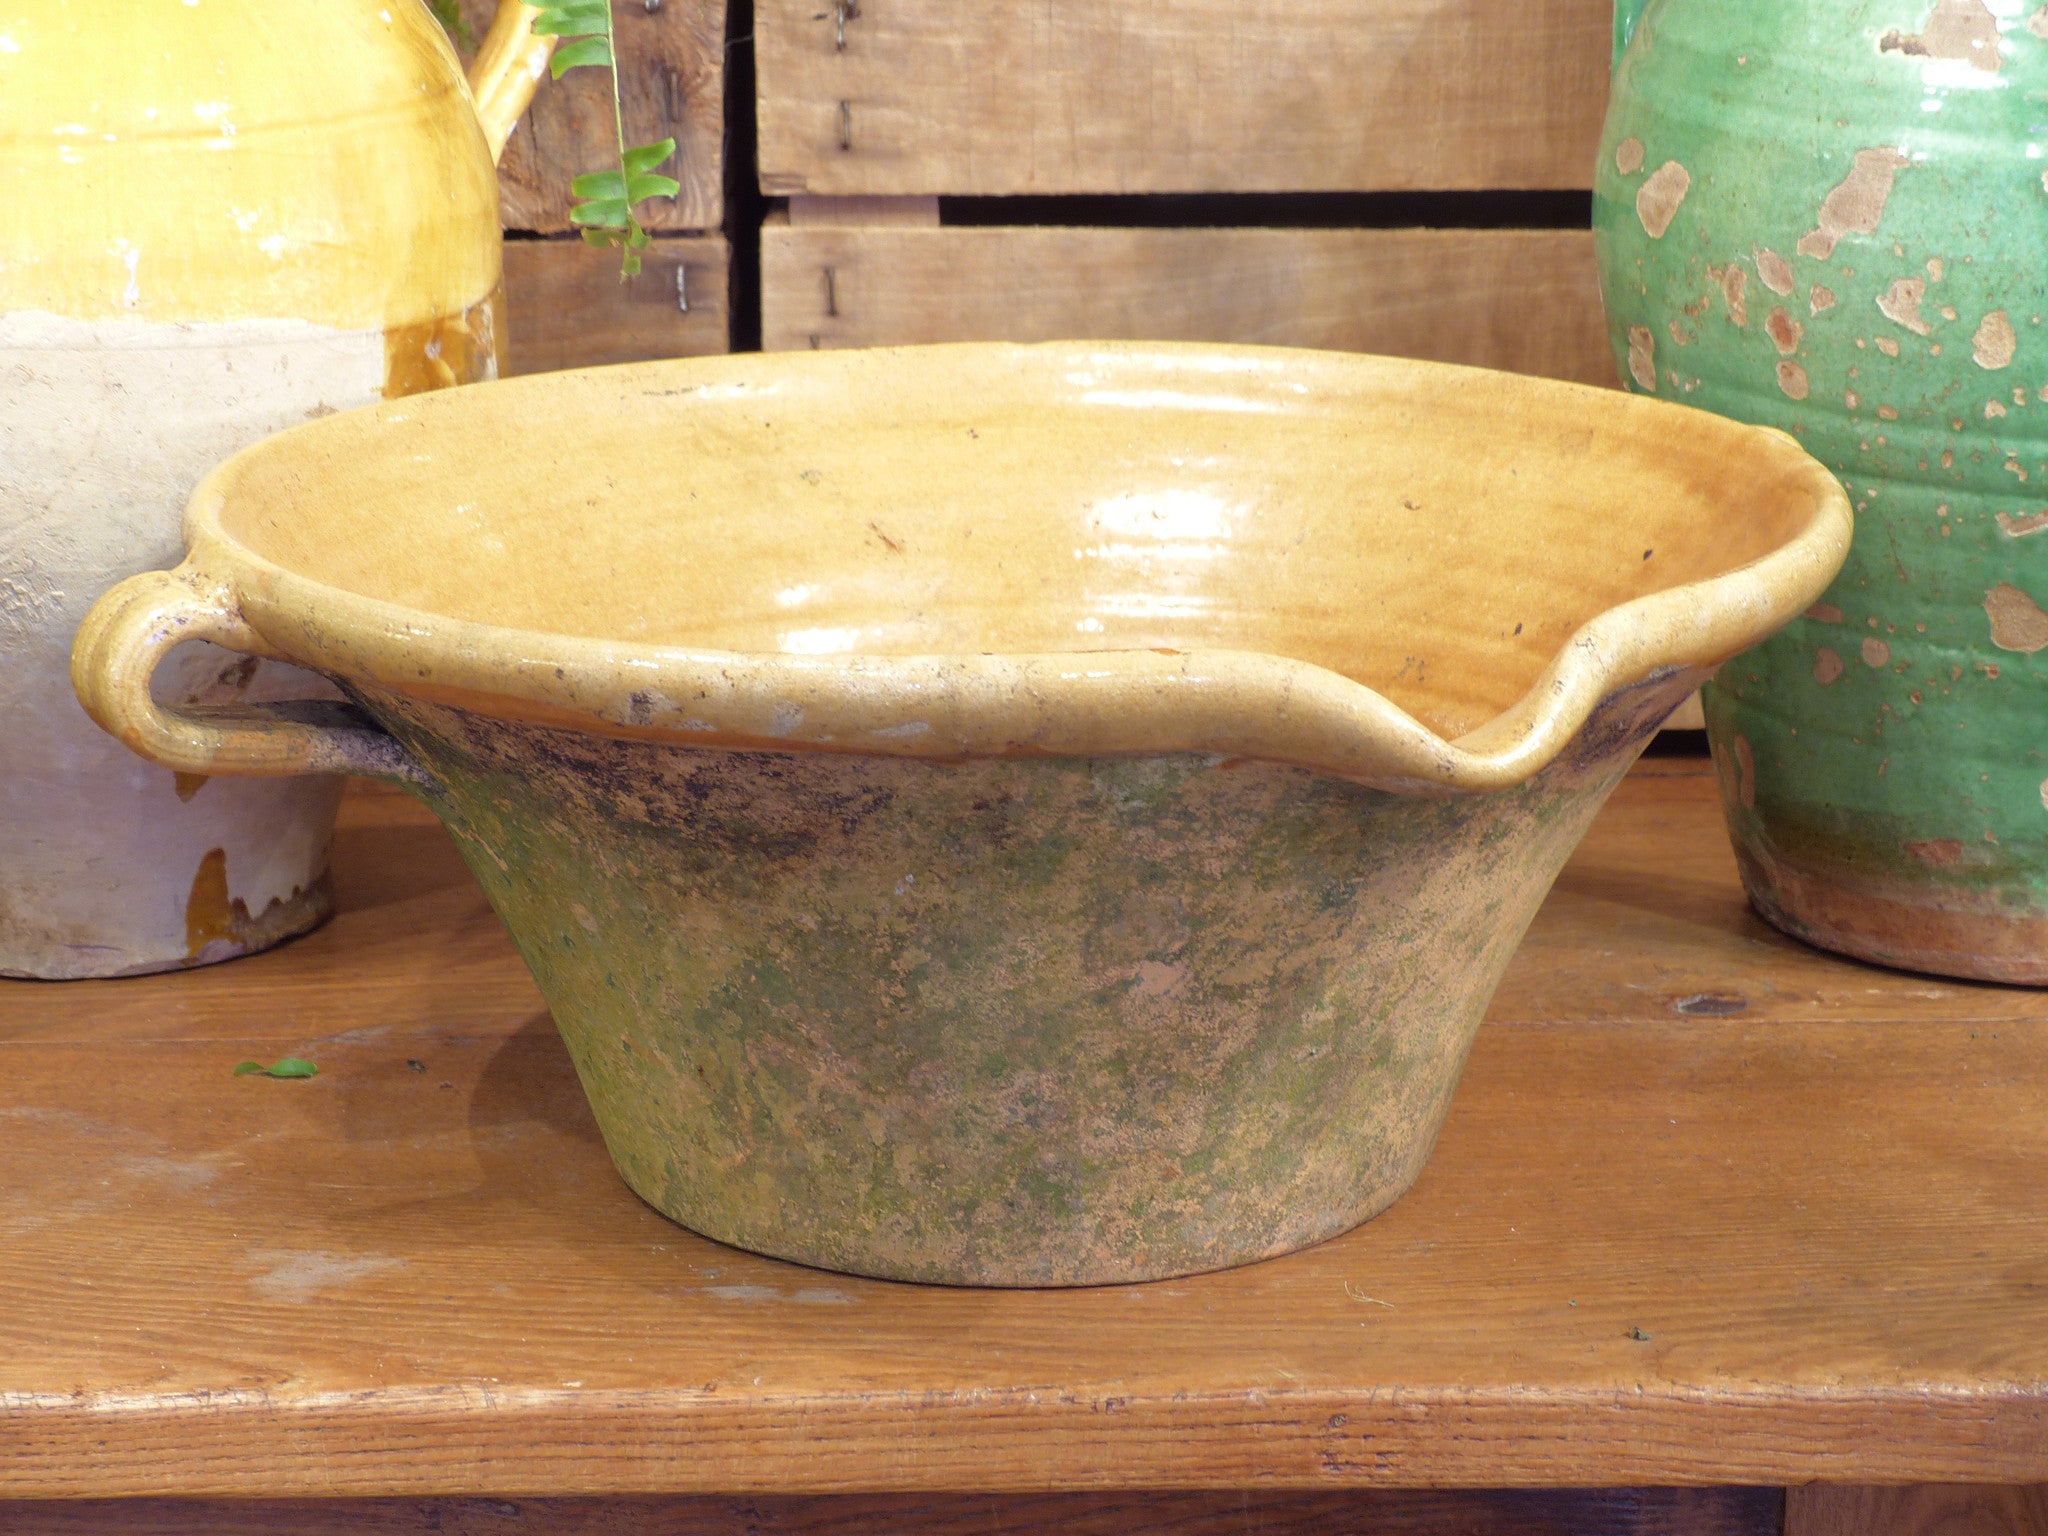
<point x="1832" y="218"/>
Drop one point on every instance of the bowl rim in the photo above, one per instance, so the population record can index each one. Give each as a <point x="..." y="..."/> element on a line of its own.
<point x="947" y="707"/>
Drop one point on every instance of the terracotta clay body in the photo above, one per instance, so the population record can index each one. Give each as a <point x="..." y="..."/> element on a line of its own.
<point x="220" y="224"/>
<point x="1829" y="217"/>
<point x="1006" y="815"/>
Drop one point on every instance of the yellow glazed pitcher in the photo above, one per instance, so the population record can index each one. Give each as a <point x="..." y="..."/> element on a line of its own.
<point x="218" y="218"/>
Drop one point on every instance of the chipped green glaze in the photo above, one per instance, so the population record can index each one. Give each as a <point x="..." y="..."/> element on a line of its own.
<point x="1830" y="217"/>
<point x="1037" y="1021"/>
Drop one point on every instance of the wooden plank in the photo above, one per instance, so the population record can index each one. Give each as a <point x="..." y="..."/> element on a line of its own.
<point x="570" y="309"/>
<point x="1707" y="1248"/>
<point x="1401" y="1512"/>
<point x="1821" y="1510"/>
<point x="672" y="85"/>
<point x="1178" y="95"/>
<point x="1525" y="300"/>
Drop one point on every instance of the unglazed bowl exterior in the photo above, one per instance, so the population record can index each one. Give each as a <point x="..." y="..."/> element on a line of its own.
<point x="996" y="815"/>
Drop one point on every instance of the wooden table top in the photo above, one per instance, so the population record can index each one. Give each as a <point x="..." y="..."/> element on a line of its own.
<point x="1710" y="1208"/>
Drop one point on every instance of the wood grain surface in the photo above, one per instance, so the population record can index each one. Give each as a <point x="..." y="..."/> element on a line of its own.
<point x="1709" y="1208"/>
<point x="672" y="85"/>
<point x="1524" y="300"/>
<point x="1178" y="95"/>
<point x="570" y="309"/>
<point x="1396" y="1512"/>
<point x="1819" y="1510"/>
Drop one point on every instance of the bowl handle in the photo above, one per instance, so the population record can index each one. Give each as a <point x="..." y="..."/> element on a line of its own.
<point x="131" y="629"/>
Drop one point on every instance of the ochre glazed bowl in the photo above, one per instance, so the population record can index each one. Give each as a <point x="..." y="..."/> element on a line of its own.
<point x="1019" y="816"/>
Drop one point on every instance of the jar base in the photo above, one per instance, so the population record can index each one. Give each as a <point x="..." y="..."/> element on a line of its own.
<point x="1918" y="929"/>
<point x="285" y="918"/>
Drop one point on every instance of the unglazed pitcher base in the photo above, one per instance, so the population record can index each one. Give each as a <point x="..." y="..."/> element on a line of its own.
<point x="301" y="912"/>
<point x="1912" y="930"/>
<point x="111" y="866"/>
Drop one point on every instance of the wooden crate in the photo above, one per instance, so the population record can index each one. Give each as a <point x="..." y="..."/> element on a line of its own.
<point x="1520" y="299"/>
<point x="1131" y="96"/>
<point x="870" y="113"/>
<point x="568" y="308"/>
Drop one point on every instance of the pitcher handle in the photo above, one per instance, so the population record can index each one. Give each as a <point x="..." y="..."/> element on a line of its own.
<point x="133" y="627"/>
<point x="508" y="71"/>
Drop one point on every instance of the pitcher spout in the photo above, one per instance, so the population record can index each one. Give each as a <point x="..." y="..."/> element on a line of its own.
<point x="508" y="70"/>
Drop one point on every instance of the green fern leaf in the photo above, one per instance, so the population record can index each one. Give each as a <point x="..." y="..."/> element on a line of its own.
<point x="643" y="158"/>
<point x="640" y="188"/>
<point x="606" y="213"/>
<point x="589" y="50"/>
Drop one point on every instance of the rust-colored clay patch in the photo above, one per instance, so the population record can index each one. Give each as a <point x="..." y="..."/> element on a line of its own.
<point x="1894" y="918"/>
<point x="1774" y="269"/>
<point x="1657" y="199"/>
<point x="1734" y="290"/>
<point x="1994" y="343"/>
<point x="1155" y="979"/>
<point x="1784" y="331"/>
<point x="1875" y="652"/>
<point x="1857" y="202"/>
<point x="1819" y="298"/>
<point x="1827" y="665"/>
<point x="1900" y="304"/>
<point x="2017" y="622"/>
<point x="2019" y="527"/>
<point x="1628" y="156"/>
<point x="1792" y="380"/>
<point x="1940" y="852"/>
<point x="1825" y="613"/>
<point x="2038" y="23"/>
<point x="1954" y="29"/>
<point x="1642" y="357"/>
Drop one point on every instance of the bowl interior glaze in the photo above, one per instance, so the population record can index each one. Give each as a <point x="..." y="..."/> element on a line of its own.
<point x="1434" y="533"/>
